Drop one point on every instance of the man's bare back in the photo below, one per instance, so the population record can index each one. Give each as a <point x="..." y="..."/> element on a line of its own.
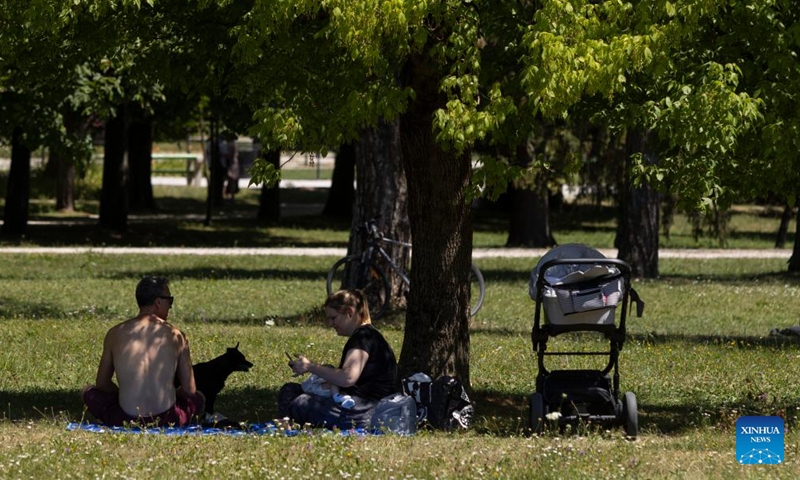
<point x="146" y="354"/>
<point x="146" y="351"/>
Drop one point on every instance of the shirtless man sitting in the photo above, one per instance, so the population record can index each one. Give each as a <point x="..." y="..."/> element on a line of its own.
<point x="145" y="352"/>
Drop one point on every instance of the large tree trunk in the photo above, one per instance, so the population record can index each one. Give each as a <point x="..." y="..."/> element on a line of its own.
<point x="269" y="203"/>
<point x="140" y="161"/>
<point x="436" y="337"/>
<point x="381" y="192"/>
<point x="342" y="192"/>
<point x="637" y="232"/>
<point x="114" y="194"/>
<point x="15" y="217"/>
<point x="529" y="224"/>
<point x="794" y="260"/>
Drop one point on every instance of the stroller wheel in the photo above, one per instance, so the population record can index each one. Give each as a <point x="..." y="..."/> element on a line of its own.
<point x="630" y="414"/>
<point x="537" y="412"/>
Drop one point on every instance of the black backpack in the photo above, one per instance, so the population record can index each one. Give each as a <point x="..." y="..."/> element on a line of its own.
<point x="441" y="404"/>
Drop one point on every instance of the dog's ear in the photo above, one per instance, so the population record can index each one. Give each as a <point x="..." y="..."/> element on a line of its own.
<point x="237" y="346"/>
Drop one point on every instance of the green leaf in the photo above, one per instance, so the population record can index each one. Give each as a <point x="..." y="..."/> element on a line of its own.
<point x="263" y="172"/>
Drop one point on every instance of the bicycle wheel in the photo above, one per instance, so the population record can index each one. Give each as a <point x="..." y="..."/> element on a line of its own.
<point x="477" y="288"/>
<point x="350" y="272"/>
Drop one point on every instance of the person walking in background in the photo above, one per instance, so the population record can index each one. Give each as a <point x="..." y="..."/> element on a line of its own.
<point x="229" y="156"/>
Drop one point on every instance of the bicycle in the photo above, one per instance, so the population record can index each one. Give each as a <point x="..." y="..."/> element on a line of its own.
<point x="362" y="272"/>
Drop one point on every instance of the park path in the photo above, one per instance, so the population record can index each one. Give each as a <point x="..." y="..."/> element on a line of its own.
<point x="339" y="252"/>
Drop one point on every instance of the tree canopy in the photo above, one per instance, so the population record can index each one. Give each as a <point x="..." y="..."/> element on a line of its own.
<point x="699" y="73"/>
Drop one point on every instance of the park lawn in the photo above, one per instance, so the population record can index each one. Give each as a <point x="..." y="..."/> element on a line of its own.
<point x="698" y="359"/>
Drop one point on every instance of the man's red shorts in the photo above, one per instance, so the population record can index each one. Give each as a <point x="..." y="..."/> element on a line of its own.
<point x="105" y="407"/>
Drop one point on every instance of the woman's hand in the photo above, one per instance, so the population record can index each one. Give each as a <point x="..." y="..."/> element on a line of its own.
<point x="300" y="365"/>
<point x="347" y="376"/>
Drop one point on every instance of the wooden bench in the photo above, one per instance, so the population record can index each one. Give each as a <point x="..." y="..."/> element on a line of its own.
<point x="194" y="162"/>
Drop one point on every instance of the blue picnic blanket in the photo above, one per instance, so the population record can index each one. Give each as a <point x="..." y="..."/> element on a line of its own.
<point x="268" y="428"/>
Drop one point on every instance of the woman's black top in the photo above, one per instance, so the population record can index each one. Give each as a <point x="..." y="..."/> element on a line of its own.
<point x="377" y="380"/>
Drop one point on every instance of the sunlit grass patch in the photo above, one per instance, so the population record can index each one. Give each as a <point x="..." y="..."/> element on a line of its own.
<point x="700" y="357"/>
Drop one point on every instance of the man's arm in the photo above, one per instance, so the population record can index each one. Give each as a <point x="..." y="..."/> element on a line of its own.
<point x="185" y="372"/>
<point x="105" y="372"/>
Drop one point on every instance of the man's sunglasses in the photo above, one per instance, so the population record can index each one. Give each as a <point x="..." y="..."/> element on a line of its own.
<point x="170" y="298"/>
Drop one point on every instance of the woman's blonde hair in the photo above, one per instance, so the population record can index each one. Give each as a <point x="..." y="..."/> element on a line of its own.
<point x="350" y="298"/>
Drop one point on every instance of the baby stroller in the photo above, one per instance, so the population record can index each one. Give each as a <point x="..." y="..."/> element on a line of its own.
<point x="579" y="290"/>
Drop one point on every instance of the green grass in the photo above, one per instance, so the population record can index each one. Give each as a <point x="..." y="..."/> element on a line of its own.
<point x="307" y="173"/>
<point x="698" y="359"/>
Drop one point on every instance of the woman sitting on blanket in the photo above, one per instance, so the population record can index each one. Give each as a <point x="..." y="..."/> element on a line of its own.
<point x="366" y="371"/>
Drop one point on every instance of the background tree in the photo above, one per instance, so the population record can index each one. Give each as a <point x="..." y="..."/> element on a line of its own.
<point x="733" y="143"/>
<point x="269" y="205"/>
<point x="39" y="75"/>
<point x="383" y="193"/>
<point x="349" y="64"/>
<point x="638" y="227"/>
<point x="645" y="68"/>
<point x="547" y="159"/>
<point x="762" y="38"/>
<point x="113" y="213"/>
<point x="342" y="192"/>
<point x="140" y="148"/>
<point x="15" y="220"/>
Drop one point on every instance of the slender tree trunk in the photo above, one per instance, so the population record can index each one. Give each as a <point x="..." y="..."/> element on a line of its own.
<point x="217" y="170"/>
<point x="637" y="233"/>
<point x="436" y="337"/>
<point x="50" y="171"/>
<point x="65" y="181"/>
<point x="794" y="260"/>
<point x="783" y="228"/>
<point x="529" y="224"/>
<point x="140" y="161"/>
<point x="114" y="195"/>
<point x="342" y="192"/>
<point x="381" y="192"/>
<point x="15" y="217"/>
<point x="62" y="163"/>
<point x="668" y="203"/>
<point x="269" y="203"/>
<point x="214" y="185"/>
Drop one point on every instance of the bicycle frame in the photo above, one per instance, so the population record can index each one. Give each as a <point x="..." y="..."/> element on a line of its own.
<point x="373" y="247"/>
<point x="374" y="276"/>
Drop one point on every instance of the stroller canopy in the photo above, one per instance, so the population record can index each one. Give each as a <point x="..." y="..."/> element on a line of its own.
<point x="556" y="273"/>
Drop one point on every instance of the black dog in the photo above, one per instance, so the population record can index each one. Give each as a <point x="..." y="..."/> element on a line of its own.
<point x="210" y="376"/>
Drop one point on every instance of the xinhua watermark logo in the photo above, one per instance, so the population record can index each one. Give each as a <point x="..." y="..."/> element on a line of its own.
<point x="759" y="440"/>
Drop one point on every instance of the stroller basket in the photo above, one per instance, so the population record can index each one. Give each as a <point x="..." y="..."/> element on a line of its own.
<point x="583" y="303"/>
<point x="584" y="293"/>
